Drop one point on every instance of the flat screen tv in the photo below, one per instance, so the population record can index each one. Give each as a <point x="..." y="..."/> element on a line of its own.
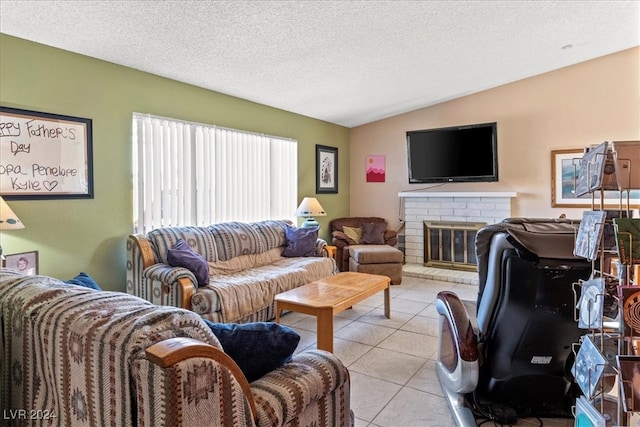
<point x="453" y="154"/>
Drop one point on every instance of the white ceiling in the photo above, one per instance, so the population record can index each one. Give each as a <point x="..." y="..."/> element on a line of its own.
<point x="346" y="62"/>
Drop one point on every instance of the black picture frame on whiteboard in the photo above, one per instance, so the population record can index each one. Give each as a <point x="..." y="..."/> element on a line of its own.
<point x="45" y="156"/>
<point x="326" y="169"/>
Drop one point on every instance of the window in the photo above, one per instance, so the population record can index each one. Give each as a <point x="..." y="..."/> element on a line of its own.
<point x="195" y="174"/>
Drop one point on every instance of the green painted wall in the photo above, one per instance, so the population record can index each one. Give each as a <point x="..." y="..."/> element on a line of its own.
<point x="90" y="235"/>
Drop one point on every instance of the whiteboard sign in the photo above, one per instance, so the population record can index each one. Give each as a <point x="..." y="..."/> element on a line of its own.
<point x="44" y="156"/>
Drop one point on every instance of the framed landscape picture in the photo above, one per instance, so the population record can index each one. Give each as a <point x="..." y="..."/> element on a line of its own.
<point x="565" y="167"/>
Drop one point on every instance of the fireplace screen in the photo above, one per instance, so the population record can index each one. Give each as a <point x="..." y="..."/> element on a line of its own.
<point x="451" y="244"/>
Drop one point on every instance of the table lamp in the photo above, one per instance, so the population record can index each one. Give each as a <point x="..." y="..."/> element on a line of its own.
<point x="8" y="219"/>
<point x="310" y="207"/>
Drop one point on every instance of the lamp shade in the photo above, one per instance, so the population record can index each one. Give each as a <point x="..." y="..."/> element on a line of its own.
<point x="310" y="206"/>
<point x="8" y="219"/>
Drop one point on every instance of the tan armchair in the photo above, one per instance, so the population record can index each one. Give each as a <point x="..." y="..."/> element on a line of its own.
<point x="365" y="244"/>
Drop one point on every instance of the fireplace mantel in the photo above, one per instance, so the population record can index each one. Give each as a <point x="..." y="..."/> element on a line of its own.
<point x="408" y="194"/>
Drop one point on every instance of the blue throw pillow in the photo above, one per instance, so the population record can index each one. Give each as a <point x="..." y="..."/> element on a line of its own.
<point x="181" y="255"/>
<point x="258" y="347"/>
<point x="83" y="279"/>
<point x="300" y="241"/>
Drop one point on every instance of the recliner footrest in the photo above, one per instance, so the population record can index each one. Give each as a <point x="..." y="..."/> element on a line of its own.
<point x="377" y="259"/>
<point x="375" y="254"/>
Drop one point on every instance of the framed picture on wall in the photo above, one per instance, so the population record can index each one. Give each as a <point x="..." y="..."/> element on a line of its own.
<point x="565" y="170"/>
<point x="375" y="168"/>
<point x="326" y="169"/>
<point x="24" y="262"/>
<point x="45" y="156"/>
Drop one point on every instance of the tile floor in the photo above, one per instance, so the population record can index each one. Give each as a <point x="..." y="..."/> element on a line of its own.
<point x="391" y="361"/>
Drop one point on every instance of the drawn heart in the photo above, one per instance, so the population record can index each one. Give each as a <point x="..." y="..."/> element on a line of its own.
<point x="50" y="185"/>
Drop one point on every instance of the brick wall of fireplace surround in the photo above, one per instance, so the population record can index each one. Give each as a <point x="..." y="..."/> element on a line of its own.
<point x="487" y="207"/>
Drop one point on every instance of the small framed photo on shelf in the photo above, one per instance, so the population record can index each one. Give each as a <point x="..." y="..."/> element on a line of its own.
<point x="326" y="169"/>
<point x="24" y="262"/>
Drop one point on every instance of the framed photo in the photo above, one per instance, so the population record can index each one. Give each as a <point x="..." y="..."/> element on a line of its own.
<point x="326" y="169"/>
<point x="45" y="156"/>
<point x="565" y="168"/>
<point x="25" y="262"/>
<point x="375" y="168"/>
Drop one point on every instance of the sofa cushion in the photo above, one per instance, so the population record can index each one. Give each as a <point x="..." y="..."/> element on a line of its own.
<point x="356" y="221"/>
<point x="236" y="238"/>
<point x="199" y="239"/>
<point x="300" y="242"/>
<point x="83" y="279"/>
<point x="181" y="255"/>
<point x="244" y="262"/>
<point x="258" y="347"/>
<point x="232" y="297"/>
<point x="373" y="233"/>
<point x="271" y="232"/>
<point x="353" y="233"/>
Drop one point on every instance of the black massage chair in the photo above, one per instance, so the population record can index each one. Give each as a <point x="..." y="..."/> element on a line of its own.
<point x="509" y="354"/>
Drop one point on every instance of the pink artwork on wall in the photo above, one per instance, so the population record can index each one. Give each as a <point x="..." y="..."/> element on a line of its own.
<point x="375" y="168"/>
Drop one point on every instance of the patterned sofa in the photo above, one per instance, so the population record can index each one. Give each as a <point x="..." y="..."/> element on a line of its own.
<point x="245" y="264"/>
<point x="73" y="356"/>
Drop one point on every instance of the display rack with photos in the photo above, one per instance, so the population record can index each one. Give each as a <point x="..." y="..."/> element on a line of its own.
<point x="607" y="236"/>
<point x="587" y="415"/>
<point x="590" y="234"/>
<point x="592" y="169"/>
<point x="591" y="304"/>
<point x="627" y="232"/>
<point x="588" y="367"/>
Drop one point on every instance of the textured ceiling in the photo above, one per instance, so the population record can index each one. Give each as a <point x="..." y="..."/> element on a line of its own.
<point x="346" y="62"/>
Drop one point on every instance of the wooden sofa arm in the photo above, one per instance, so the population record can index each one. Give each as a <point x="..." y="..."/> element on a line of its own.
<point x="146" y="251"/>
<point x="187" y="292"/>
<point x="174" y="350"/>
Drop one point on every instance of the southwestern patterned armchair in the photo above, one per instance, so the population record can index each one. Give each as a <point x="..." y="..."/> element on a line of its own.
<point x="79" y="357"/>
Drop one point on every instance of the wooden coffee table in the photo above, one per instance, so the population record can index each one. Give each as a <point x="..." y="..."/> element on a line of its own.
<point x="329" y="296"/>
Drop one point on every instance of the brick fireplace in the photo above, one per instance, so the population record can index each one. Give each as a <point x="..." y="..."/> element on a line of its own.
<point x="458" y="207"/>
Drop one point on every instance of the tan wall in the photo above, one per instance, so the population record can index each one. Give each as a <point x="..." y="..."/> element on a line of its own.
<point x="572" y="107"/>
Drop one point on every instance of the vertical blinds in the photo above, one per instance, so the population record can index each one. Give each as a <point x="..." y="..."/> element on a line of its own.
<point x="194" y="174"/>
